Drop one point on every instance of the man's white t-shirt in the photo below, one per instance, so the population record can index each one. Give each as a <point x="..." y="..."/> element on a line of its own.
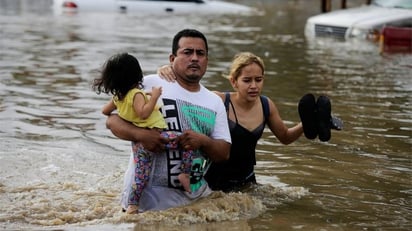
<point x="203" y="112"/>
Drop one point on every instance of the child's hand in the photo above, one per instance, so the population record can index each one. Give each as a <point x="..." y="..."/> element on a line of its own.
<point x="156" y="92"/>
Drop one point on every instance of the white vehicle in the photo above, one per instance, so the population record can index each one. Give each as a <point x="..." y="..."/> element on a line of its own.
<point x="151" y="6"/>
<point x="363" y="22"/>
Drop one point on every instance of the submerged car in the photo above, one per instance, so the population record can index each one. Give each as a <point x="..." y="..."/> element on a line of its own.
<point x="151" y="6"/>
<point x="363" y="22"/>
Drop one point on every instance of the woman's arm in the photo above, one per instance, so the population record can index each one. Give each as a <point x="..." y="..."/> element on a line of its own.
<point x="166" y="72"/>
<point x="279" y="129"/>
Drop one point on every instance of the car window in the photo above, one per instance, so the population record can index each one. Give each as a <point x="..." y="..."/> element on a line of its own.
<point x="407" y="4"/>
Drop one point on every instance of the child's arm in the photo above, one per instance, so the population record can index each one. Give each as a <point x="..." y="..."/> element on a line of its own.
<point x="108" y="108"/>
<point x="143" y="109"/>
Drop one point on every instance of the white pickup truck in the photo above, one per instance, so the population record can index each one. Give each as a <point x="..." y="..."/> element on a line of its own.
<point x="363" y="22"/>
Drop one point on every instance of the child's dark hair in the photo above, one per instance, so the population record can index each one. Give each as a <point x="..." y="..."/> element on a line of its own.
<point x="120" y="73"/>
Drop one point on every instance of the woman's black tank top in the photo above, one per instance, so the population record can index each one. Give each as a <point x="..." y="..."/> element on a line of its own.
<point x="239" y="169"/>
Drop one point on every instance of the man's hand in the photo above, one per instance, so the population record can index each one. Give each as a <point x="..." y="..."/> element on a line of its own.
<point x="191" y="140"/>
<point x="217" y="150"/>
<point x="150" y="138"/>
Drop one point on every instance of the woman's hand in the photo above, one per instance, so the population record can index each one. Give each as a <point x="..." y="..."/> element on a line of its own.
<point x="166" y="72"/>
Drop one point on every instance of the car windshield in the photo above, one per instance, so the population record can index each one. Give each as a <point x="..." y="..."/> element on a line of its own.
<point x="407" y="4"/>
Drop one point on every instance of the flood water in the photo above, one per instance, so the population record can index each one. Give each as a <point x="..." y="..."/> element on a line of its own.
<point x="61" y="169"/>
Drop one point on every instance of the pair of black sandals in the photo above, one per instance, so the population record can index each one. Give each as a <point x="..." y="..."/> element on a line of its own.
<point x="316" y="117"/>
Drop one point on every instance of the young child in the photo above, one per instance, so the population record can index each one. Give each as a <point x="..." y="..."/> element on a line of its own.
<point x="123" y="78"/>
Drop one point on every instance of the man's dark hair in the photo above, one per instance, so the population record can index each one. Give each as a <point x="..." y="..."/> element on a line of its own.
<point x="187" y="33"/>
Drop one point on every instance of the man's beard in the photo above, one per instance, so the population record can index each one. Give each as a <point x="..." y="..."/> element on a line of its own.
<point x="193" y="78"/>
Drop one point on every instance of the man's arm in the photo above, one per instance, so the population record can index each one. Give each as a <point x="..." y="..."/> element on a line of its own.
<point x="217" y="150"/>
<point x="150" y="138"/>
